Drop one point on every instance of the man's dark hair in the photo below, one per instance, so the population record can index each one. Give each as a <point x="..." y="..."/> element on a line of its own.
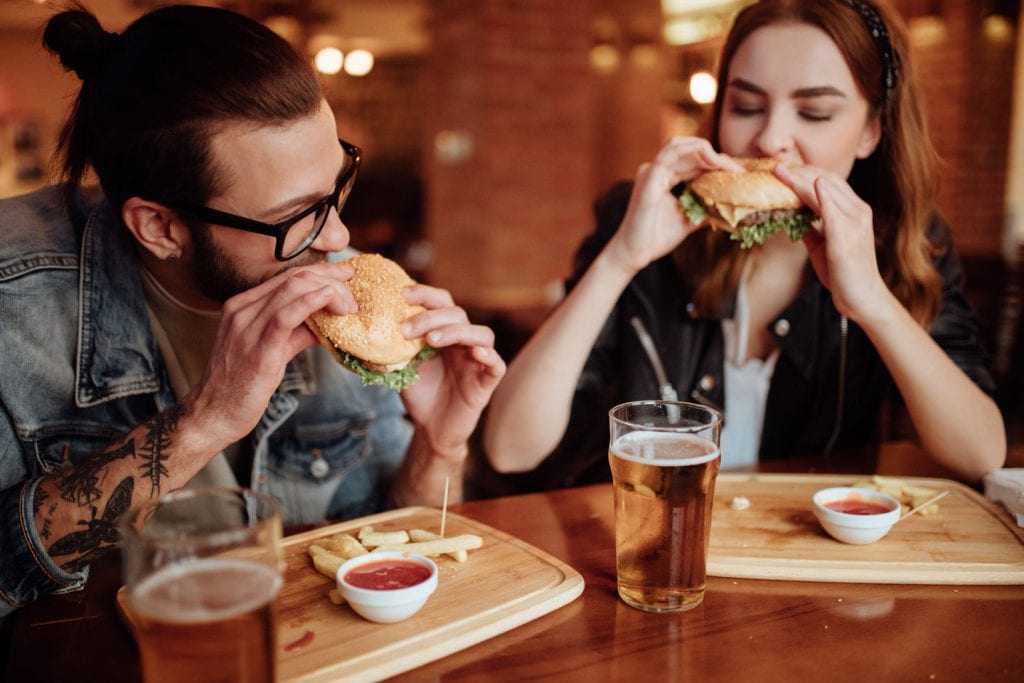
<point x="153" y="96"/>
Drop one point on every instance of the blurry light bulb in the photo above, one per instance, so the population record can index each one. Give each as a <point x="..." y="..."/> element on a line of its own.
<point x="359" y="63"/>
<point x="997" y="28"/>
<point x="703" y="87"/>
<point x="604" y="58"/>
<point x="329" y="60"/>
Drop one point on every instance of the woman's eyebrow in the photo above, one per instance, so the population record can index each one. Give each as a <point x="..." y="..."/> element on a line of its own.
<point x="801" y="93"/>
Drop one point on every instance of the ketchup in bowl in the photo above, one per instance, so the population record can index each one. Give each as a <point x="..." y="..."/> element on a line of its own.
<point x="387" y="586"/>
<point x="386" y="575"/>
<point x="857" y="506"/>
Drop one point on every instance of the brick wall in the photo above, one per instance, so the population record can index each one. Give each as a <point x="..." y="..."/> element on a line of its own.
<point x="967" y="82"/>
<point x="508" y="86"/>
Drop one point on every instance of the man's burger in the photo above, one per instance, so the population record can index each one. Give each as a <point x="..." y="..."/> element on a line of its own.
<point x="370" y="342"/>
<point x="750" y="205"/>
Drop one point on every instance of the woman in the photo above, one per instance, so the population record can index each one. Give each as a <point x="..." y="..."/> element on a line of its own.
<point x="798" y="342"/>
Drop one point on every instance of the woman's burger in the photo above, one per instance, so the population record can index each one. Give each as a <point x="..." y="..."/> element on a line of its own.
<point x="370" y="342"/>
<point x="750" y="205"/>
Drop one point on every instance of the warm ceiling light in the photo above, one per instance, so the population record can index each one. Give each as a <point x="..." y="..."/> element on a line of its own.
<point x="703" y="87"/>
<point x="681" y="6"/>
<point x="359" y="62"/>
<point x="997" y="28"/>
<point x="927" y="30"/>
<point x="328" y="60"/>
<point x="604" y="58"/>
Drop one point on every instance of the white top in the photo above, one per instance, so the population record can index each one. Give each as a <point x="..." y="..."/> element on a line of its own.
<point x="746" y="387"/>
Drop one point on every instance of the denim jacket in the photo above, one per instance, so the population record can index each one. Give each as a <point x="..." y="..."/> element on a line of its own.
<point x="81" y="368"/>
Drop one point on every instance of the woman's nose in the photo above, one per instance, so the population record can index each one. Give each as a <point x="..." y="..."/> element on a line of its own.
<point x="775" y="138"/>
<point x="334" y="236"/>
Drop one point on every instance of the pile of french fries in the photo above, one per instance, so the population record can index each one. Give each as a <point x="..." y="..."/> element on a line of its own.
<point x="330" y="552"/>
<point x="909" y="496"/>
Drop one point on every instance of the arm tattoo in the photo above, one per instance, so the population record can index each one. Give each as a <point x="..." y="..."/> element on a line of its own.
<point x="154" y="448"/>
<point x="99" y="534"/>
<point x="38" y="500"/>
<point x="81" y="484"/>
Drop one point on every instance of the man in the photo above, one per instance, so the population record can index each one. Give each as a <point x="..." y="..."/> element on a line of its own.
<point x="154" y="335"/>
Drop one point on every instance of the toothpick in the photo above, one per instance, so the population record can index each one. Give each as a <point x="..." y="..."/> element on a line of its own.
<point x="444" y="506"/>
<point x="933" y="499"/>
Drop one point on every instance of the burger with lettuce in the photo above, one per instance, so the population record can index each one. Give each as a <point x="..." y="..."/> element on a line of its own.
<point x="370" y="342"/>
<point x="751" y="205"/>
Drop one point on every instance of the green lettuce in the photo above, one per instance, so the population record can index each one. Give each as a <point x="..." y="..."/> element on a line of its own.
<point x="692" y="206"/>
<point x="392" y="379"/>
<point x="796" y="226"/>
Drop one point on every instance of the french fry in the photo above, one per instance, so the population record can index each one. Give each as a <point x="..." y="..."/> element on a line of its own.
<point x="327" y="564"/>
<point x="330" y="552"/>
<point x="343" y="544"/>
<point x="910" y="496"/>
<point x="441" y="546"/>
<point x="378" y="538"/>
<point x="420" y="535"/>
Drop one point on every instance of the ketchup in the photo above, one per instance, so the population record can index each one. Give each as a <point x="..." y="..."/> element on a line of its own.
<point x="857" y="506"/>
<point x="385" y="575"/>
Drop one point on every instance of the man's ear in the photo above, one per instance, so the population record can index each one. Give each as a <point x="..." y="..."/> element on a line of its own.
<point x="156" y="228"/>
<point x="870" y="137"/>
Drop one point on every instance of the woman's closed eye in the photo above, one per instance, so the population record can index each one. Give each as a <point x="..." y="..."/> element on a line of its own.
<point x="815" y="115"/>
<point x="746" y="110"/>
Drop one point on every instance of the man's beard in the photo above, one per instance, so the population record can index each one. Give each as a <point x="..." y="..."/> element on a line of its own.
<point x="218" y="278"/>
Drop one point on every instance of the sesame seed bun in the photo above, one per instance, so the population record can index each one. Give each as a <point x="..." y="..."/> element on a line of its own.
<point x="373" y="334"/>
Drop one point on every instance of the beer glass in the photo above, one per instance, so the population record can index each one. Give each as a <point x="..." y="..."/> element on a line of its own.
<point x="202" y="570"/>
<point x="664" y="459"/>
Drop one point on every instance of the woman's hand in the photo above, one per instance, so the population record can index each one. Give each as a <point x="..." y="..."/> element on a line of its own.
<point x="454" y="386"/>
<point x="842" y="244"/>
<point x="654" y="223"/>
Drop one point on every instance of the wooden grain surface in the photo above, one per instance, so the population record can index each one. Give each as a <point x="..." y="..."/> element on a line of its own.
<point x="778" y="537"/>
<point x="502" y="585"/>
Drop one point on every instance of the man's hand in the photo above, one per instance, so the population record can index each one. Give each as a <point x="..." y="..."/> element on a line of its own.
<point x="261" y="330"/>
<point x="455" y="385"/>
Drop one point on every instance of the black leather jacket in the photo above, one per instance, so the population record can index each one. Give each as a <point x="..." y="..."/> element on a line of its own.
<point x="829" y="383"/>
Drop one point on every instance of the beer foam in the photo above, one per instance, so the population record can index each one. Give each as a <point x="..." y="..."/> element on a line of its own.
<point x="205" y="590"/>
<point x="664" y="449"/>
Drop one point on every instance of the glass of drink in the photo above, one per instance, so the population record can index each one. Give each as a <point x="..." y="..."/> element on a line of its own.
<point x="664" y="459"/>
<point x="202" y="570"/>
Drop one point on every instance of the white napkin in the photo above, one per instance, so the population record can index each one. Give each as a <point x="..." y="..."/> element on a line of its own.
<point x="1006" y="486"/>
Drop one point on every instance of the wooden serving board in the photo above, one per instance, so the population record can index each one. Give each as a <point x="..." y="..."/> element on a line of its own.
<point x="503" y="584"/>
<point x="971" y="540"/>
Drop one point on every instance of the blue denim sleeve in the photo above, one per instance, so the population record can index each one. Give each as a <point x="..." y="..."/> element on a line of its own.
<point x="27" y="571"/>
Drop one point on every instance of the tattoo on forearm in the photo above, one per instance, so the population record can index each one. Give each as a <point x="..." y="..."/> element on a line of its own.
<point x="44" y="533"/>
<point x="154" y="447"/>
<point x="40" y="498"/>
<point x="99" y="534"/>
<point x="81" y="483"/>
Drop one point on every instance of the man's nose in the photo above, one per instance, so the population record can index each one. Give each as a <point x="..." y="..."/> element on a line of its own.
<point x="334" y="236"/>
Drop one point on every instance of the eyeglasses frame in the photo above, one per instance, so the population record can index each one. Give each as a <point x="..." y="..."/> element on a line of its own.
<point x="277" y="230"/>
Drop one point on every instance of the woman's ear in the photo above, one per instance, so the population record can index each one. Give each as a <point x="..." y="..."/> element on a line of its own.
<point x="869" y="137"/>
<point x="156" y="228"/>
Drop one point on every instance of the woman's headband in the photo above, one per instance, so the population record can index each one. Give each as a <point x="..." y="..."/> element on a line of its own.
<point x="890" y="62"/>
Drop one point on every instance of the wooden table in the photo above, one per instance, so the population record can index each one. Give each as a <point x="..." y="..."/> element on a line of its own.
<point x="745" y="629"/>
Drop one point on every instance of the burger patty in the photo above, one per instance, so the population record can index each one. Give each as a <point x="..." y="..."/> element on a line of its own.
<point x="768" y="215"/>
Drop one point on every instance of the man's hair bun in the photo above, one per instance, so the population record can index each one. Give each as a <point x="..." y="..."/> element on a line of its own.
<point x="77" y="38"/>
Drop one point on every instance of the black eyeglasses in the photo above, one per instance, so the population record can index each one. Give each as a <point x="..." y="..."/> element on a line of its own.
<point x="295" y="234"/>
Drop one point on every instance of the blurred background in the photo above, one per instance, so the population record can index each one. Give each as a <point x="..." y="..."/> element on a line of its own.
<point x="491" y="126"/>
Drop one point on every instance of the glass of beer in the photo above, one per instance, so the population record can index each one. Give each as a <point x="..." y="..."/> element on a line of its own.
<point x="202" y="570"/>
<point x="664" y="459"/>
